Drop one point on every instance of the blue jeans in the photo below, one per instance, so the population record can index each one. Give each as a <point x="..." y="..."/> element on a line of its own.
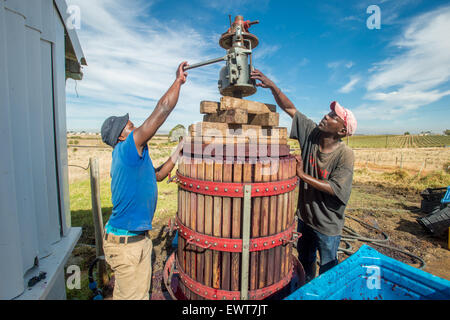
<point x="307" y="246"/>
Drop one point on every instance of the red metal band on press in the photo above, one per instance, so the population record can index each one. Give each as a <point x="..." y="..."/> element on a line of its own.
<point x="233" y="245"/>
<point x="218" y="294"/>
<point x="235" y="189"/>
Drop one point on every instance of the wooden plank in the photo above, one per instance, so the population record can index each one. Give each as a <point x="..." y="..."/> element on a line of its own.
<point x="182" y="242"/>
<point x="264" y="227"/>
<point x="233" y="139"/>
<point x="293" y="208"/>
<point x="193" y="226"/>
<point x="279" y="218"/>
<point x="180" y="250"/>
<point x="228" y="103"/>
<point x="255" y="228"/>
<point x="209" y="107"/>
<point x="187" y="217"/>
<point x="284" y="219"/>
<point x="200" y="222"/>
<point x="226" y="227"/>
<point x="272" y="224"/>
<point x="215" y="129"/>
<point x="288" y="219"/>
<point x="209" y="176"/>
<point x="235" y="116"/>
<point x="271" y="119"/>
<point x="236" y="227"/>
<point x="217" y="226"/>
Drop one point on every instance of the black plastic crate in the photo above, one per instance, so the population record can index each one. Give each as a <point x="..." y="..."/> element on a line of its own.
<point x="437" y="222"/>
<point x="433" y="194"/>
<point x="429" y="206"/>
<point x="431" y="199"/>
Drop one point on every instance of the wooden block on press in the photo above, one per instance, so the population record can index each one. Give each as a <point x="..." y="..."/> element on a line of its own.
<point x="214" y="129"/>
<point x="271" y="119"/>
<point x="207" y="107"/>
<point x="235" y="116"/>
<point x="233" y="140"/>
<point x="223" y="129"/>
<point x="229" y="103"/>
<point x="277" y="132"/>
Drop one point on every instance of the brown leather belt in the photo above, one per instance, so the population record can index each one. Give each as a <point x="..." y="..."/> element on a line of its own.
<point x="124" y="239"/>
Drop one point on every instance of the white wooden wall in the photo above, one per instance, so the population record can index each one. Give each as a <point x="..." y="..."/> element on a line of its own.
<point x="34" y="195"/>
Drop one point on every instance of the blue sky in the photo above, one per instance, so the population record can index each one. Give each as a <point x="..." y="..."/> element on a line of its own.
<point x="394" y="79"/>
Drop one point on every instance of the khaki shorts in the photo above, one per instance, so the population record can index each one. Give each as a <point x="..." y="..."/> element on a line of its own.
<point x="132" y="267"/>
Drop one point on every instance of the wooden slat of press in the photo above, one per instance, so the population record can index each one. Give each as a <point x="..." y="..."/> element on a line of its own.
<point x="264" y="229"/>
<point x="236" y="227"/>
<point x="279" y="219"/>
<point x="187" y="172"/>
<point x="209" y="176"/>
<point x="255" y="229"/>
<point x="293" y="207"/>
<point x="285" y="213"/>
<point x="217" y="226"/>
<point x="185" y="214"/>
<point x="272" y="224"/>
<point x="181" y="209"/>
<point x="200" y="224"/>
<point x="193" y="226"/>
<point x="288" y="218"/>
<point x="226" y="227"/>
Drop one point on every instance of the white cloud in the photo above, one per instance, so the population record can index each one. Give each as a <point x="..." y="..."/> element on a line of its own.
<point x="132" y="58"/>
<point x="334" y="65"/>
<point x="237" y="5"/>
<point x="416" y="77"/>
<point x="303" y="62"/>
<point x="350" y="85"/>
<point x="338" y="64"/>
<point x="349" y="64"/>
<point x="265" y="51"/>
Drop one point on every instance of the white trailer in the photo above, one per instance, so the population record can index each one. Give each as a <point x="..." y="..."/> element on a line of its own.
<point x="37" y="54"/>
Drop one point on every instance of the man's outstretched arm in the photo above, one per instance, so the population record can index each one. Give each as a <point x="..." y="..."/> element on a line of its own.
<point x="279" y="96"/>
<point x="320" y="185"/>
<point x="164" y="107"/>
<point x="163" y="170"/>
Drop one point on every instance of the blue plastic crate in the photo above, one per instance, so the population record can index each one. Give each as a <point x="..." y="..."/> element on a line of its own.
<point x="446" y="198"/>
<point x="370" y="275"/>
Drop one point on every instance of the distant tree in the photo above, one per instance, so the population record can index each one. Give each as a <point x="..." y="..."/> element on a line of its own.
<point x="407" y="133"/>
<point x="447" y="132"/>
<point x="177" y="132"/>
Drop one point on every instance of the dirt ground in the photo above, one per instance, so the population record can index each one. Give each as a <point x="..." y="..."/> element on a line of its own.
<point x="399" y="223"/>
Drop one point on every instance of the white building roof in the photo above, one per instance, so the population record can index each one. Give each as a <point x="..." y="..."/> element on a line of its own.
<point x="74" y="53"/>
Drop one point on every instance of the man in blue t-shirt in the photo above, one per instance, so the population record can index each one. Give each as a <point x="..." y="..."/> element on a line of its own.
<point x="127" y="245"/>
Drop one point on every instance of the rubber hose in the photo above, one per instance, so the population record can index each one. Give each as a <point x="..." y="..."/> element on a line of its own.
<point x="378" y="242"/>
